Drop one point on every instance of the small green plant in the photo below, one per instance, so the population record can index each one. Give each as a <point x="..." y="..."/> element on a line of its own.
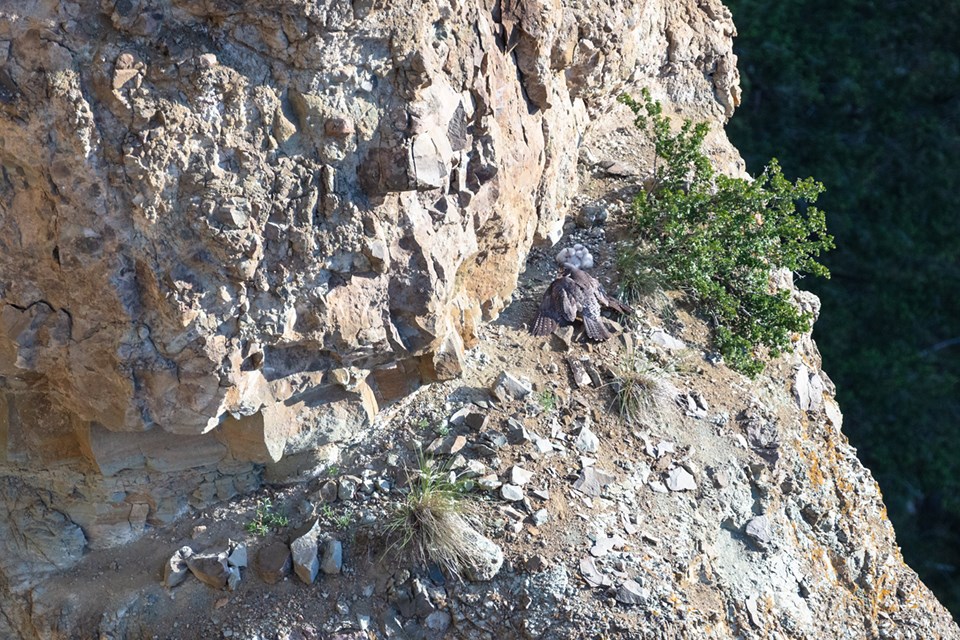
<point x="720" y="239"/>
<point x="265" y="518"/>
<point x="548" y="400"/>
<point x="341" y="521"/>
<point x="434" y="521"/>
<point x="443" y="430"/>
<point x="423" y="423"/>
<point x="333" y="471"/>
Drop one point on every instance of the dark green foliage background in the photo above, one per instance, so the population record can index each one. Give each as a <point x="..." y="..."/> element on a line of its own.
<point x="866" y="97"/>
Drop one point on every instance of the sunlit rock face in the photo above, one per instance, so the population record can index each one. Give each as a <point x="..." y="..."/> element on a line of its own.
<point x="231" y="232"/>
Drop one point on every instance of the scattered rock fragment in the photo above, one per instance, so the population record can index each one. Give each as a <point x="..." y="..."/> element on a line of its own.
<point x="303" y="549"/>
<point x="475" y="421"/>
<point x="618" y="169"/>
<point x="210" y="568"/>
<point x="489" y="482"/>
<point x="604" y="544"/>
<point x="507" y="387"/>
<point x="438" y="621"/>
<point x="752" y="612"/>
<point x="520" y="476"/>
<point x="679" y="479"/>
<point x="587" y="441"/>
<point x="593" y="373"/>
<point x="511" y="492"/>
<point x="592" y="481"/>
<point x="332" y="562"/>
<point x="592" y="575"/>
<point x="667" y="341"/>
<point x="175" y="570"/>
<point x="536" y="563"/>
<point x="347" y="488"/>
<point x="237" y="554"/>
<point x="759" y="530"/>
<point x="328" y="491"/>
<point x="486" y="557"/>
<point x="563" y="338"/>
<point x="543" y="445"/>
<point x="540" y="517"/>
<point x="543" y="494"/>
<point x="273" y="562"/>
<point x="580" y="376"/>
<point x="447" y="445"/>
<point x="630" y="592"/>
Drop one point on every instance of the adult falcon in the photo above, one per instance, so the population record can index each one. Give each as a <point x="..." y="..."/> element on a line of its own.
<point x="576" y="293"/>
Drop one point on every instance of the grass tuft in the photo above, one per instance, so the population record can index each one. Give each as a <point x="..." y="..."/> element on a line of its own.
<point x="640" y="395"/>
<point x="435" y="520"/>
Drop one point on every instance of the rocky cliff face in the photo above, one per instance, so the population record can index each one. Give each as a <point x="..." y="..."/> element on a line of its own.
<point x="231" y="232"/>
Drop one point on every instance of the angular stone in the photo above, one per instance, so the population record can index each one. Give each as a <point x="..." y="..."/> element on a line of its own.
<point x="520" y="476"/>
<point x="332" y="562"/>
<point x="580" y="376"/>
<point x="175" y="570"/>
<point x="667" y="341"/>
<point x="592" y="575"/>
<point x="511" y="492"/>
<point x="587" y="441"/>
<point x="210" y="568"/>
<point x="629" y="592"/>
<point x="592" y="481"/>
<point x="303" y="549"/>
<point x="329" y="491"/>
<point x="447" y="445"/>
<point x="438" y="621"/>
<point x="346" y="488"/>
<point x="489" y="482"/>
<point x="485" y="556"/>
<point x="507" y="388"/>
<point x="238" y="555"/>
<point x="759" y="530"/>
<point x="476" y="421"/>
<point x="273" y="562"/>
<point x="679" y="479"/>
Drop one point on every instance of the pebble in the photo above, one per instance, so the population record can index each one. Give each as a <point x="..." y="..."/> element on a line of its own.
<point x="587" y="441"/>
<point x="759" y="530"/>
<point x="508" y="387"/>
<point x="511" y="492"/>
<point x="592" y="481"/>
<point x="679" y="479"/>
<point x="520" y="476"/>
<point x="332" y="562"/>
<point x="630" y="592"/>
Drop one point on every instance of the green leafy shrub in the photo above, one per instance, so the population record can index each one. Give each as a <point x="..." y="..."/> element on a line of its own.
<point x="719" y="239"/>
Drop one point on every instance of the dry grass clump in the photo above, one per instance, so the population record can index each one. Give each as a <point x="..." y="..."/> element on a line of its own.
<point x="640" y="394"/>
<point x="435" y="521"/>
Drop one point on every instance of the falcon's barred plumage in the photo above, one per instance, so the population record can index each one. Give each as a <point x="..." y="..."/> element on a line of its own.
<point x="576" y="293"/>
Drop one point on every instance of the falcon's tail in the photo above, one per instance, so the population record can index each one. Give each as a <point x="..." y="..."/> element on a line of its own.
<point x="543" y="325"/>
<point x="595" y="329"/>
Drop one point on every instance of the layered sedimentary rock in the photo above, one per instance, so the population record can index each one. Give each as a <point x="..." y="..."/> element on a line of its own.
<point x="230" y="232"/>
